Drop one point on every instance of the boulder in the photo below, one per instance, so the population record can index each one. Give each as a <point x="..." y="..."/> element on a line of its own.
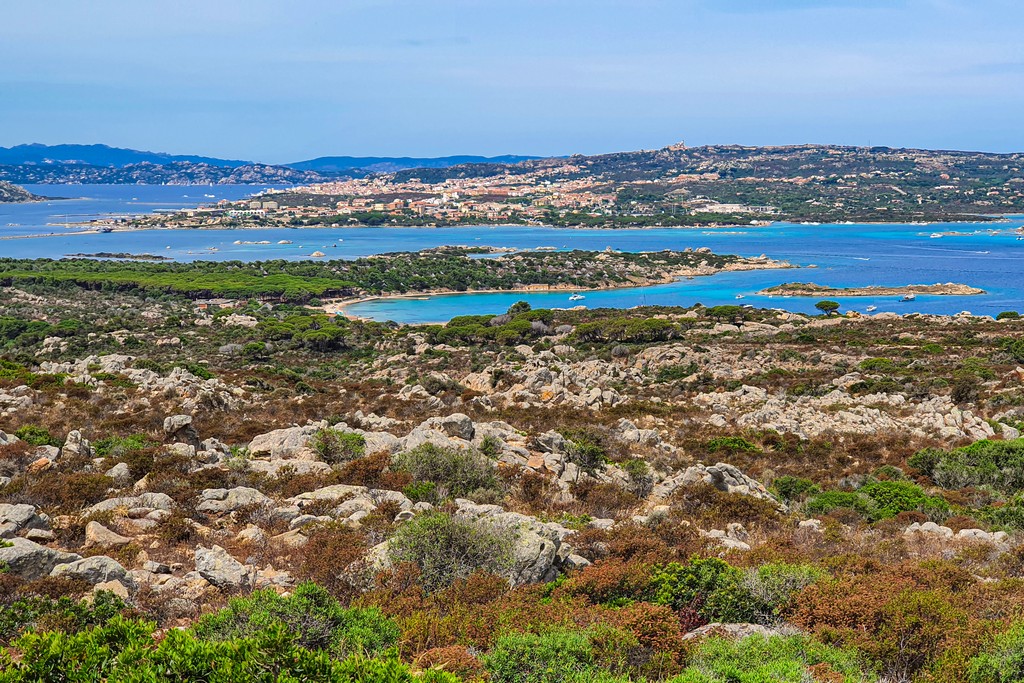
<point x="120" y="473"/>
<point x="99" y="535"/>
<point x="457" y="424"/>
<point x="30" y="560"/>
<point x="179" y="429"/>
<point x="291" y="442"/>
<point x="75" y="445"/>
<point x="221" y="501"/>
<point x="218" y="567"/>
<point x="94" y="570"/>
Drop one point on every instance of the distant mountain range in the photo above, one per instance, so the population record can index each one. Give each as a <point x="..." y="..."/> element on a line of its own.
<point x="100" y="155"/>
<point x="59" y="164"/>
<point x="392" y="164"/>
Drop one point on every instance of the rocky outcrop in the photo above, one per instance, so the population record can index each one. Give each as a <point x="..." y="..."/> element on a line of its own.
<point x="20" y="517"/>
<point x="722" y="476"/>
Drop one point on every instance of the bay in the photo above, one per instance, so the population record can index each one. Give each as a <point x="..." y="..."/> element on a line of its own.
<point x="985" y="255"/>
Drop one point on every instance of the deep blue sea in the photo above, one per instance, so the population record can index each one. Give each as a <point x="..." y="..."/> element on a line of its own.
<point x="985" y="255"/>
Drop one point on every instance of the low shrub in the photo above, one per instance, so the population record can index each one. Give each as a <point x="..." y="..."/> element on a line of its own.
<point x="335" y="446"/>
<point x="1003" y="661"/>
<point x="454" y="472"/>
<point x="446" y="548"/>
<point x="314" y="619"/>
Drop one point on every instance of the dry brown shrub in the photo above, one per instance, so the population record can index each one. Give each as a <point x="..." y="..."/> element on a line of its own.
<point x="332" y="558"/>
<point x="456" y="660"/>
<point x="711" y="508"/>
<point x="603" y="500"/>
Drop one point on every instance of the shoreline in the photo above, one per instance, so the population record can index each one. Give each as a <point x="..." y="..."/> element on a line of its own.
<point x="338" y="306"/>
<point x="88" y="228"/>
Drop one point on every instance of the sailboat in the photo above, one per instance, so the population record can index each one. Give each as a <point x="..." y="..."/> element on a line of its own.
<point x="871" y="309"/>
<point x="577" y="297"/>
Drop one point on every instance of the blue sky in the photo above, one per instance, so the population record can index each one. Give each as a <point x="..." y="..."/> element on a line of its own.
<point x="287" y="80"/>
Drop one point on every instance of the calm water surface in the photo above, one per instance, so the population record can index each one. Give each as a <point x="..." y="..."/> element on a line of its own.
<point x="985" y="255"/>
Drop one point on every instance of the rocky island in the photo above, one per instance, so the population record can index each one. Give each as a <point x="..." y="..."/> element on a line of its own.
<point x="810" y="289"/>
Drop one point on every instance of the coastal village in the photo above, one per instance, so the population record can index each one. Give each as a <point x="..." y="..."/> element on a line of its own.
<point x="673" y="186"/>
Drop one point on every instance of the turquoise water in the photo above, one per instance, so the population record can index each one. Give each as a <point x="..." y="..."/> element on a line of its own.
<point x="985" y="255"/>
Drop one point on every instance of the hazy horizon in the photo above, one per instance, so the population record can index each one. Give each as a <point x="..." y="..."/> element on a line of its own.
<point x="275" y="83"/>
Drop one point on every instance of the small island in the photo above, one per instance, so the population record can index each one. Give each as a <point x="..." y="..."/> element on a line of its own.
<point x="814" y="290"/>
<point x="124" y="256"/>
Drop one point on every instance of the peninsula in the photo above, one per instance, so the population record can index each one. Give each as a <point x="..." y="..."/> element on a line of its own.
<point x="811" y="289"/>
<point x="425" y="272"/>
<point x="14" y="194"/>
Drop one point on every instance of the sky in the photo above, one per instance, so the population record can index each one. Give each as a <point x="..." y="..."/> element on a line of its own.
<point x="288" y="80"/>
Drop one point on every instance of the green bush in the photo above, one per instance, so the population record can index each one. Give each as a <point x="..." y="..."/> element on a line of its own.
<point x="709" y="587"/>
<point x="552" y="657"/>
<point x="770" y="587"/>
<point x="792" y="488"/>
<point x="64" y="613"/>
<point x="893" y="497"/>
<point x="454" y="472"/>
<point x="585" y="448"/>
<point x="1003" y="662"/>
<point x="447" y="548"/>
<point x="826" y="502"/>
<point x="879" y="365"/>
<point x="999" y="464"/>
<point x="772" y="660"/>
<point x="35" y="435"/>
<point x="125" y="651"/>
<point x="314" y="619"/>
<point x="335" y="446"/>
<point x="731" y="444"/>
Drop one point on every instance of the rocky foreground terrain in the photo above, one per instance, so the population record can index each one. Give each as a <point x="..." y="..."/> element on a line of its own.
<point x="678" y="479"/>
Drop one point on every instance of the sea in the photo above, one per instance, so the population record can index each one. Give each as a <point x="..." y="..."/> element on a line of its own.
<point x="988" y="255"/>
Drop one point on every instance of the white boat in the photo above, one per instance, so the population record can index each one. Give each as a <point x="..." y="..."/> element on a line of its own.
<point x="871" y="309"/>
<point x="577" y="297"/>
<point x="908" y="297"/>
<point x="739" y="296"/>
<point x="935" y="235"/>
